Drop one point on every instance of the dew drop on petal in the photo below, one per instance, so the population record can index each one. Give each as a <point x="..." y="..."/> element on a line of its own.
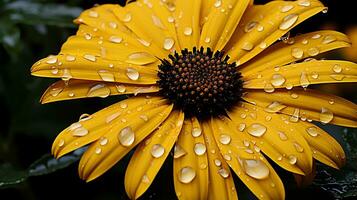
<point x="292" y="159"/>
<point x="277" y="80"/>
<point x="126" y="136"/>
<point x="337" y="68"/>
<point x="217" y="162"/>
<point x="250" y="26"/>
<point x="298" y="147"/>
<point x="121" y="88"/>
<point x="328" y="39"/>
<point x="326" y="115"/>
<point x="112" y="117"/>
<point x="196" y="132"/>
<point x="282" y="136"/>
<point x="186" y="174"/>
<point x="140" y="58"/>
<point x="223" y="172"/>
<point x="269" y="88"/>
<point x="132" y="74"/>
<point x="288" y="21"/>
<point x="99" y="90"/>
<point x="145" y="179"/>
<point x="297" y="52"/>
<point x="274" y="107"/>
<point x="286" y="8"/>
<point x="312" y="131"/>
<point x="103" y="141"/>
<point x="247" y="46"/>
<point x="105" y="75"/>
<point x="256" y="129"/>
<point x="305" y="3"/>
<point x="89" y="57"/>
<point x="218" y="3"/>
<point x="84" y="117"/>
<point x="241" y="127"/>
<point x="314" y="75"/>
<point x="127" y="17"/>
<point x="256" y="169"/>
<point x="187" y="31"/>
<point x="157" y="22"/>
<point x="56" y="91"/>
<point x="79" y="132"/>
<point x="157" y="150"/>
<point x="179" y="151"/>
<point x="144" y="117"/>
<point x="52" y="60"/>
<point x="200" y="149"/>
<point x="313" y="51"/>
<point x="304" y="81"/>
<point x="115" y="39"/>
<point x="61" y="143"/>
<point x="224" y="139"/>
<point x="168" y="43"/>
<point x="98" y="150"/>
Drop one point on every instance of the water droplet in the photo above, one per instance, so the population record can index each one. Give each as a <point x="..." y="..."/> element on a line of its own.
<point x="196" y="132"/>
<point x="89" y="57"/>
<point x="316" y="36"/>
<point x="186" y="175"/>
<point x="297" y="53"/>
<point x="52" y="60"/>
<point x="294" y="95"/>
<point x="126" y="136"/>
<point x="127" y="17"/>
<point x="98" y="150"/>
<point x="298" y="147"/>
<point x="260" y="28"/>
<point x="337" y="68"/>
<point x="207" y="40"/>
<point x="115" y="39"/>
<point x="256" y="129"/>
<point x="70" y="58"/>
<point x="250" y="26"/>
<point x="218" y="3"/>
<point x="61" y="143"/>
<point x="224" y="139"/>
<point x="200" y="149"/>
<point x="227" y="157"/>
<point x="305" y="3"/>
<point x="157" y="22"/>
<point x="187" y="31"/>
<point x="328" y="39"/>
<point x="286" y="8"/>
<point x="132" y="74"/>
<point x="84" y="117"/>
<point x="314" y="75"/>
<point x="170" y="19"/>
<point x="313" y="51"/>
<point x="217" y="162"/>
<point x="282" y="136"/>
<point x="203" y="166"/>
<point x="140" y="58"/>
<point x="274" y="107"/>
<point x="263" y="45"/>
<point x="105" y="75"/>
<point x="223" y="172"/>
<point x="326" y="115"/>
<point x="247" y="46"/>
<point x="168" y="43"/>
<point x="111" y="117"/>
<point x="292" y="159"/>
<point x="331" y="101"/>
<point x="145" y="118"/>
<point x="337" y="77"/>
<point x="179" y="151"/>
<point x="93" y="14"/>
<point x="295" y="116"/>
<point x="145" y="179"/>
<point x="157" y="150"/>
<point x="305" y="41"/>
<point x="144" y="42"/>
<point x="241" y="127"/>
<point x="79" y="132"/>
<point x="255" y="168"/>
<point x="103" y="141"/>
<point x="269" y="88"/>
<point x="288" y="21"/>
<point x="304" y="81"/>
<point x="99" y="90"/>
<point x="277" y="80"/>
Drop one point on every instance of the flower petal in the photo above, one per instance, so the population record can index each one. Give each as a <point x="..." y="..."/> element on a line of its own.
<point x="306" y="180"/>
<point x="282" y="143"/>
<point x="91" y="127"/>
<point x="220" y="178"/>
<point x="111" y="21"/>
<point x="311" y="104"/>
<point x="151" y="154"/>
<point x="187" y="16"/>
<point x="303" y="74"/>
<point x="125" y="133"/>
<point x="324" y="147"/>
<point x="222" y="20"/>
<point x="265" y="24"/>
<point x="247" y="162"/>
<point x="294" y="49"/>
<point x="67" y="66"/>
<point x="190" y="162"/>
<point x="75" y="89"/>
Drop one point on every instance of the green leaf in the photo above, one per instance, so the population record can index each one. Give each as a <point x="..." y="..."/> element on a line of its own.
<point x="10" y="176"/>
<point x="36" y="13"/>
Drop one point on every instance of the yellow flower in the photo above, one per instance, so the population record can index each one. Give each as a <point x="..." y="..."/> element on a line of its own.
<point x="217" y="114"/>
<point x="351" y="52"/>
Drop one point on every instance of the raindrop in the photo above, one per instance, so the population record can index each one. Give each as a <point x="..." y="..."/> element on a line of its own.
<point x="126" y="136"/>
<point x="200" y="149"/>
<point x="282" y="136"/>
<point x="144" y="42"/>
<point x="145" y="179"/>
<point x="314" y="75"/>
<point x="292" y="159"/>
<point x="145" y="118"/>
<point x="255" y="168"/>
<point x="99" y="90"/>
<point x="328" y="39"/>
<point x="103" y="141"/>
<point x="218" y="3"/>
<point x="337" y="68"/>
<point x="295" y="116"/>
<point x="157" y="22"/>
<point x="123" y="105"/>
<point x="126" y="17"/>
<point x="223" y="172"/>
<point x="115" y="39"/>
<point x="256" y="129"/>
<point x="111" y="117"/>
<point x="84" y="117"/>
<point x="305" y="3"/>
<point x="196" y="132"/>
<point x="337" y="77"/>
<point x="274" y="107"/>
<point x="79" y="132"/>
<point x="326" y="115"/>
<point x="217" y="162"/>
<point x="105" y="75"/>
<point x="132" y="74"/>
<point x="140" y="58"/>
<point x="52" y="60"/>
<point x="157" y="150"/>
<point x="170" y="19"/>
<point x="168" y="43"/>
<point x="186" y="174"/>
<point x="269" y="88"/>
<point x="316" y="36"/>
<point x="224" y="139"/>
<point x="241" y="127"/>
<point x="187" y="31"/>
<point x="55" y="91"/>
<point x="93" y="14"/>
<point x="207" y="40"/>
<point x="297" y="53"/>
<point x="250" y="26"/>
<point x="304" y="81"/>
<point x="61" y="143"/>
<point x="286" y="8"/>
<point x="179" y="151"/>
<point x="312" y="131"/>
<point x="298" y="147"/>
<point x="294" y="95"/>
<point x="98" y="150"/>
<point x="70" y="58"/>
<point x="277" y="80"/>
<point x="247" y="46"/>
<point x="89" y="57"/>
<point x="227" y="157"/>
<point x="288" y="21"/>
<point x="313" y="51"/>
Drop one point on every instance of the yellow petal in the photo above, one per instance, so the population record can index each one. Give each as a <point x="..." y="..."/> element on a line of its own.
<point x="149" y="21"/>
<point x="274" y="135"/>
<point x="106" y="22"/>
<point x="151" y="154"/>
<point x="246" y="161"/>
<point x="187" y="16"/>
<point x="311" y="104"/>
<point x="75" y="89"/>
<point x="221" y="180"/>
<point x="126" y="131"/>
<point x="206" y="7"/>
<point x="91" y="127"/>
<point x="294" y="49"/>
<point x="305" y="180"/>
<point x="89" y="67"/>
<point x="262" y="25"/>
<point x="303" y="74"/>
<point x="324" y="147"/>
<point x="222" y="20"/>
<point x="190" y="162"/>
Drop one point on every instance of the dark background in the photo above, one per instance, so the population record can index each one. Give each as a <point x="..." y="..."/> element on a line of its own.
<point x="39" y="28"/>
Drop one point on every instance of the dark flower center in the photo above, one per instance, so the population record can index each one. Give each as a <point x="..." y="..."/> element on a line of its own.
<point x="200" y="82"/>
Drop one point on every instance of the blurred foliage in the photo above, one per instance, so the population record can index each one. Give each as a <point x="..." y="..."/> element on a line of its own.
<point x="33" y="29"/>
